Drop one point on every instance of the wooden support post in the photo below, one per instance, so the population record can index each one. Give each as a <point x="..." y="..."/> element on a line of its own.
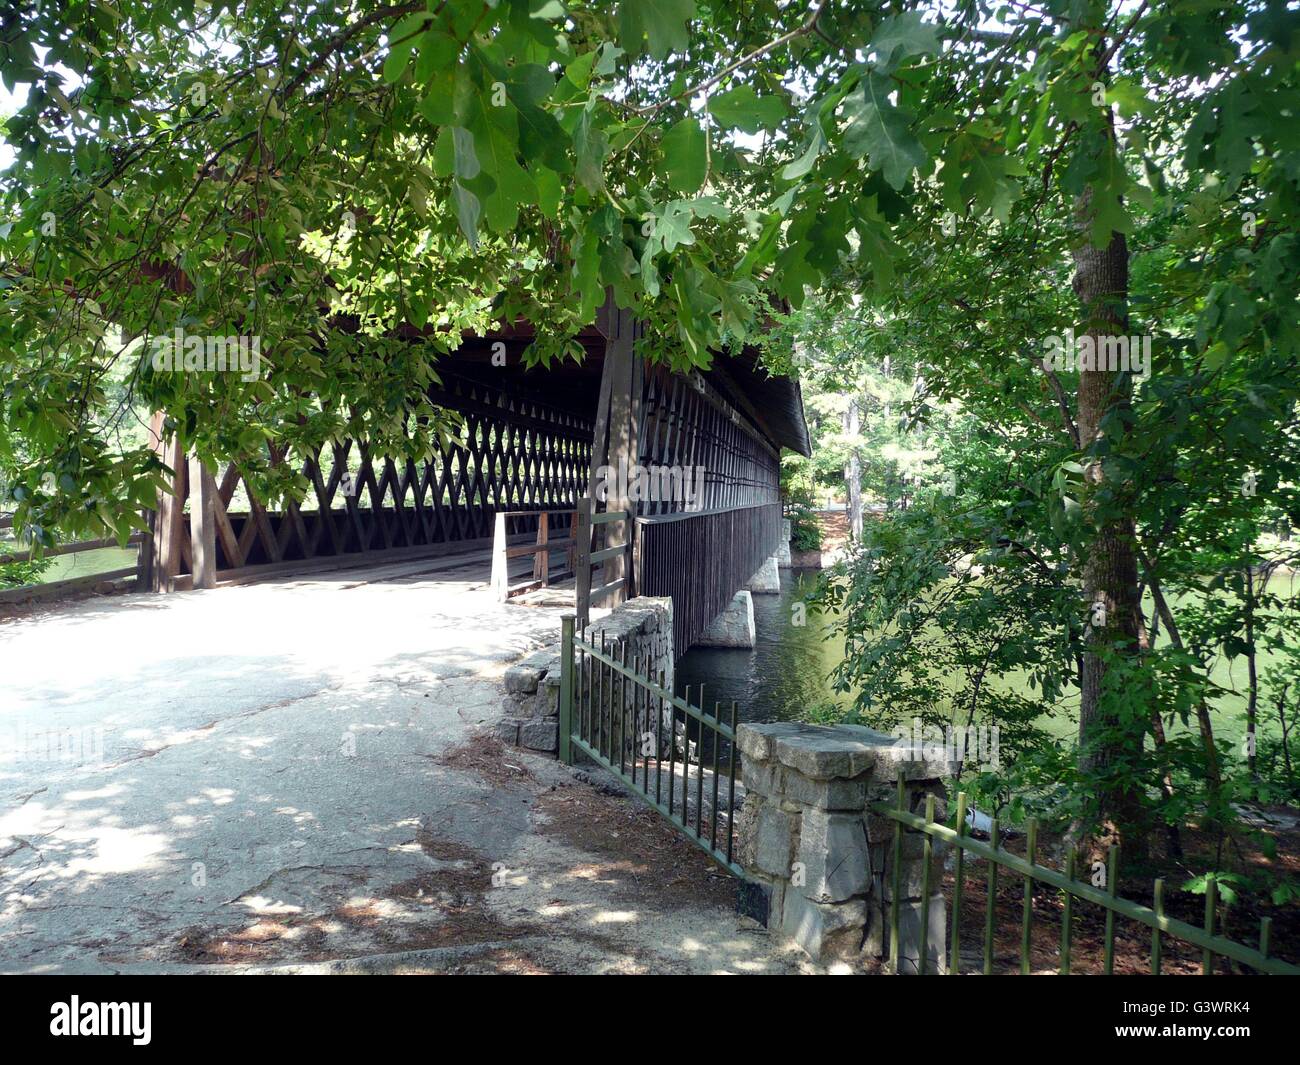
<point x="582" y="561"/>
<point x="169" y="517"/>
<point x="500" y="563"/>
<point x="144" y="568"/>
<point x="621" y="453"/>
<point x="203" y="527"/>
<point x="542" y="560"/>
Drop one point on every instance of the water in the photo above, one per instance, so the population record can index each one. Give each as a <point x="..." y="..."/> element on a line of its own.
<point x="785" y="675"/>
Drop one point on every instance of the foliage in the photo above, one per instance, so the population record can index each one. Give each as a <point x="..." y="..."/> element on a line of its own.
<point x="805" y="530"/>
<point x="21" y="574"/>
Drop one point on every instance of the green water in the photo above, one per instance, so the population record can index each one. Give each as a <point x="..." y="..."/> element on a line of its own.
<point x="787" y="674"/>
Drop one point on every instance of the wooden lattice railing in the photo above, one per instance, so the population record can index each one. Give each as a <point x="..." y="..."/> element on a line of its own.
<point x="514" y="453"/>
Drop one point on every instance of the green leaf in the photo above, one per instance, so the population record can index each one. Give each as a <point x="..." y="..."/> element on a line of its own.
<point x="685" y="148"/>
<point x="590" y="146"/>
<point x="586" y="272"/>
<point x="466" y="156"/>
<point x="496" y="140"/>
<point x="815" y="145"/>
<point x="1128" y="96"/>
<point x="444" y="153"/>
<point x="976" y="171"/>
<point x="449" y="95"/>
<point x="900" y="37"/>
<point x="549" y="191"/>
<point x="880" y="131"/>
<point x="397" y="60"/>
<point x="404" y="34"/>
<point x="662" y="21"/>
<point x="438" y="53"/>
<point x="742" y="108"/>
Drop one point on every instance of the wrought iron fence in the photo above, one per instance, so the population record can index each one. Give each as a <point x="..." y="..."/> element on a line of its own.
<point x="661" y="745"/>
<point x="1031" y="873"/>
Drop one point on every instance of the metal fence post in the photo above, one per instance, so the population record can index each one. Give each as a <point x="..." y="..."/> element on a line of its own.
<point x="566" y="688"/>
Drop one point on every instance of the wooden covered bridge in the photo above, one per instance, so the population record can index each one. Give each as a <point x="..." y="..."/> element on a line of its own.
<point x="550" y="470"/>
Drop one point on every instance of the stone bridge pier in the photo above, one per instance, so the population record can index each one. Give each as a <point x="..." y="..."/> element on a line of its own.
<point x="820" y="862"/>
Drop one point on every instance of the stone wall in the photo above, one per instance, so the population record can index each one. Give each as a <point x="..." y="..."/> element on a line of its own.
<point x="783" y="548"/>
<point x="822" y="861"/>
<point x="532" y="702"/>
<point x="734" y="627"/>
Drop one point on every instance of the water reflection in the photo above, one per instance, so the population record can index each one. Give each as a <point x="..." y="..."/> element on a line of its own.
<point x="786" y="673"/>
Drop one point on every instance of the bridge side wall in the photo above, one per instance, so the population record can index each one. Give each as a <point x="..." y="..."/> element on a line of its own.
<point x="515" y="452"/>
<point x="640" y="629"/>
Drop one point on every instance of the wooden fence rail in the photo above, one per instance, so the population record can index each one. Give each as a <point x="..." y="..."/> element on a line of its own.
<point x="612" y="559"/>
<point x="506" y="546"/>
<point x="46" y="589"/>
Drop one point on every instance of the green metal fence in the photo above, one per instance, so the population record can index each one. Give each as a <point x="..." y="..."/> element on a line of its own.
<point x="612" y="711"/>
<point x="1030" y="873"/>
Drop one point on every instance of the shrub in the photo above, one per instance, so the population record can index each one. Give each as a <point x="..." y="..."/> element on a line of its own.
<point x="21" y="574"/>
<point x="805" y="532"/>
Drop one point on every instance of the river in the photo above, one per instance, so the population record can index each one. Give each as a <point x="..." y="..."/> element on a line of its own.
<point x="785" y="676"/>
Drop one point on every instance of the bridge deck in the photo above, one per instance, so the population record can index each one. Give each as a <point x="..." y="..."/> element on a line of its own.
<point x="291" y="772"/>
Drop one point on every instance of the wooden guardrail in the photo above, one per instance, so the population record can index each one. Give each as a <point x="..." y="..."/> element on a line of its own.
<point x="540" y="551"/>
<point x="49" y="588"/>
<point x="587" y="559"/>
<point x="700" y="559"/>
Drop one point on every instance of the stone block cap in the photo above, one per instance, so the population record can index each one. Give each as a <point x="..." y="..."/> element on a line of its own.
<point x="826" y="752"/>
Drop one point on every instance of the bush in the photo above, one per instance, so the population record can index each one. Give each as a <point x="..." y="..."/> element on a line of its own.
<point x="21" y="574"/>
<point x="805" y="531"/>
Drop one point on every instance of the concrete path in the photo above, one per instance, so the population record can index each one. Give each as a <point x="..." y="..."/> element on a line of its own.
<point x="299" y="776"/>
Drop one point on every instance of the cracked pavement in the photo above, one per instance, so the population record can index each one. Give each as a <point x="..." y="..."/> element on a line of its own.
<point x="295" y="776"/>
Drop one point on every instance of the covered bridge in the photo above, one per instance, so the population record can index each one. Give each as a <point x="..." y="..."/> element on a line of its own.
<point x="544" y="455"/>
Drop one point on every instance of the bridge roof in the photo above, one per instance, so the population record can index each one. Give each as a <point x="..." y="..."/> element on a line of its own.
<point x="774" y="404"/>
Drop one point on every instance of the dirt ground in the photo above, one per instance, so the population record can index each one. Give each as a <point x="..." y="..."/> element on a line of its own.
<point x="603" y="886"/>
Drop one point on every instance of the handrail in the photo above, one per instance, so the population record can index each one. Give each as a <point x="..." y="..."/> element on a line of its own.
<point x="71" y="548"/>
<point x="586" y="560"/>
<point x="540" y="551"/>
<point x="681" y="515"/>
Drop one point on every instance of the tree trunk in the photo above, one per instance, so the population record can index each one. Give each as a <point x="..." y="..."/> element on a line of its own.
<point x="1109" y="564"/>
<point x="1252" y="676"/>
<point x="853" y="471"/>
